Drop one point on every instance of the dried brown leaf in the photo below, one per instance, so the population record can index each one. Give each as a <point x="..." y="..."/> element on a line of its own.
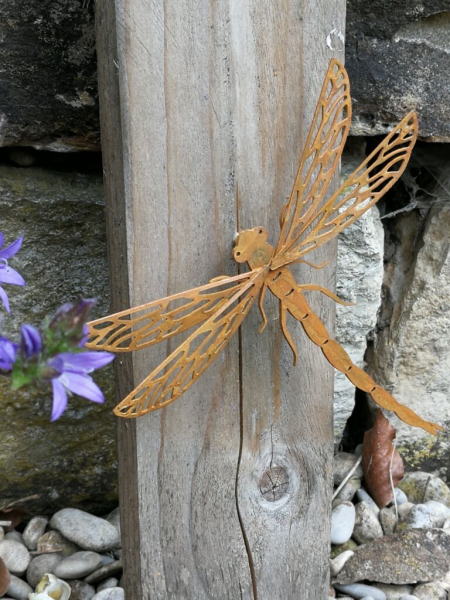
<point x="381" y="461"/>
<point x="5" y="578"/>
<point x="15" y="515"/>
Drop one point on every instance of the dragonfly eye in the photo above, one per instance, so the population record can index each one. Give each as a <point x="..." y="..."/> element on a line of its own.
<point x="238" y="253"/>
<point x="260" y="231"/>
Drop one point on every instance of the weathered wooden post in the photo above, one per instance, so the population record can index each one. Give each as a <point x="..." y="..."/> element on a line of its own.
<point x="225" y="494"/>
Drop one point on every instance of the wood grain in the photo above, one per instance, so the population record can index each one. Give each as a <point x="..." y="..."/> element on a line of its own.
<point x="205" y="106"/>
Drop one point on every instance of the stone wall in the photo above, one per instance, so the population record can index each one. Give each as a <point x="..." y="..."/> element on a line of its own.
<point x="393" y="264"/>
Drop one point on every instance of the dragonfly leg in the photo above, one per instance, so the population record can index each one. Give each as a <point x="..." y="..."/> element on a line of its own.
<point x="317" y="288"/>
<point x="261" y="308"/>
<point x="310" y="264"/>
<point x="285" y="330"/>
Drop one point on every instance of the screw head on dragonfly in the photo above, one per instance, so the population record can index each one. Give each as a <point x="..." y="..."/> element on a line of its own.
<point x="251" y="246"/>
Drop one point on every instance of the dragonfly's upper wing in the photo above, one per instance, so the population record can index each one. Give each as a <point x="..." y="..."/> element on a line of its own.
<point x="381" y="169"/>
<point x="179" y="370"/>
<point x="156" y="321"/>
<point x="320" y="158"/>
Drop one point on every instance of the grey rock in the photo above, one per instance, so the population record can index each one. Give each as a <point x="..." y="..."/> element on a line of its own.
<point x="54" y="104"/>
<point x="88" y="531"/>
<point x="394" y="592"/>
<point x="337" y="564"/>
<point x="118" y="553"/>
<point x="359" y="278"/>
<point x="367" y="527"/>
<point x="111" y="582"/>
<point x="428" y="515"/>
<point x="53" y="541"/>
<point x="33" y="531"/>
<point x="110" y="594"/>
<point x="349" y="490"/>
<point x="388" y="520"/>
<point x="401" y="558"/>
<point x="81" y="590"/>
<point x="389" y="49"/>
<point x="60" y="213"/>
<point x="342" y="522"/>
<point x="15" y="556"/>
<point x="18" y="588"/>
<point x="360" y="590"/>
<point x="409" y="597"/>
<point x="2" y="533"/>
<point x="342" y="464"/>
<point x="411" y="354"/>
<point x="14" y="536"/>
<point x="430" y="591"/>
<point x="78" y="565"/>
<point x="107" y="559"/>
<point x="363" y="496"/>
<point x="44" y="563"/>
<point x="110" y="570"/>
<point x="420" y="487"/>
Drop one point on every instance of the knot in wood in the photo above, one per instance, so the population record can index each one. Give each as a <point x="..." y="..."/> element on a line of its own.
<point x="274" y="484"/>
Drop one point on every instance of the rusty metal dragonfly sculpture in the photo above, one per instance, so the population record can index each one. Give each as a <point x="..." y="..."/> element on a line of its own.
<point x="307" y="221"/>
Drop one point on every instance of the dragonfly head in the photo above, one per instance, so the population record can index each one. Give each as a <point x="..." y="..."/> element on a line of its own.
<point x="251" y="246"/>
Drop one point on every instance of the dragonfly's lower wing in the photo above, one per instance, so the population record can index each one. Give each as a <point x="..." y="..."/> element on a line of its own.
<point x="156" y="321"/>
<point x="185" y="365"/>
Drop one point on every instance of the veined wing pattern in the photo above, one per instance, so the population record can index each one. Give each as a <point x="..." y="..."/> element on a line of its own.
<point x="363" y="188"/>
<point x="185" y="365"/>
<point x="156" y="321"/>
<point x="320" y="157"/>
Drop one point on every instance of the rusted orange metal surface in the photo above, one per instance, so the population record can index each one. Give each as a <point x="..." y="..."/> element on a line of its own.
<point x="307" y="221"/>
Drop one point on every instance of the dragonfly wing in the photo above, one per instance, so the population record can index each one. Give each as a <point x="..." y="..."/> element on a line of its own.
<point x="320" y="158"/>
<point x="156" y="321"/>
<point x="371" y="180"/>
<point x="185" y="365"/>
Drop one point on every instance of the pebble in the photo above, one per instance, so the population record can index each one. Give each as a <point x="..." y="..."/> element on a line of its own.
<point x="343" y="463"/>
<point x="78" y="565"/>
<point x="110" y="594"/>
<point x="342" y="522"/>
<point x="367" y="527"/>
<point x="395" y="592"/>
<point x="430" y="591"/>
<point x="2" y="533"/>
<point x="388" y="520"/>
<point x="360" y="590"/>
<point x="111" y="582"/>
<point x="363" y="496"/>
<point x="428" y="515"/>
<point x="400" y="496"/>
<point x="15" y="536"/>
<point x="106" y="559"/>
<point x="409" y="597"/>
<point x="81" y="590"/>
<point x="33" y="531"/>
<point x="88" y="531"/>
<point x="349" y="490"/>
<point x="337" y="564"/>
<point x="15" y="556"/>
<point x="114" y="519"/>
<point x="44" y="563"/>
<point x="105" y="572"/>
<point x="18" y="588"/>
<point x="446" y="524"/>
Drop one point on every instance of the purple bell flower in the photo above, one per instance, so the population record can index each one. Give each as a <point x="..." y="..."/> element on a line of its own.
<point x="8" y="275"/>
<point x="30" y="341"/>
<point x="8" y="352"/>
<point x="72" y="376"/>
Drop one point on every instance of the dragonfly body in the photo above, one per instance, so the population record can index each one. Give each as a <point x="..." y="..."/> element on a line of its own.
<point x="307" y="221"/>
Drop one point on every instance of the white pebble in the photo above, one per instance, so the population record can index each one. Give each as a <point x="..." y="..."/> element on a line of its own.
<point x="363" y="496"/>
<point x="342" y="522"/>
<point x="15" y="556"/>
<point x="337" y="564"/>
